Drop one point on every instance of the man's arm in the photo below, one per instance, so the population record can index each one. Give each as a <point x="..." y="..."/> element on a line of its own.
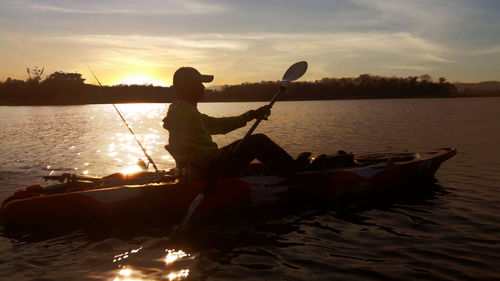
<point x="224" y="125"/>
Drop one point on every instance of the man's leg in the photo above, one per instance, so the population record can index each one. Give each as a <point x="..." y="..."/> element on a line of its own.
<point x="262" y="148"/>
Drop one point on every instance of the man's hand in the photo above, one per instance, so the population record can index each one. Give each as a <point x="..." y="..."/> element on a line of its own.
<point x="261" y="113"/>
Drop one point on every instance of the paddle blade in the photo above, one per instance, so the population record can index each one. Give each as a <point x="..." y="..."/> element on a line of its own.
<point x="192" y="208"/>
<point x="294" y="72"/>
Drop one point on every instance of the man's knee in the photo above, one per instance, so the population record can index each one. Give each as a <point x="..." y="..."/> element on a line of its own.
<point x="260" y="138"/>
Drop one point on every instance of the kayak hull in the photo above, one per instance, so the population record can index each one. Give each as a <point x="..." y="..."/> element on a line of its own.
<point x="169" y="201"/>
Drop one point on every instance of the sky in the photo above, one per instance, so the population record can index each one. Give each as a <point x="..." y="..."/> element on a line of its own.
<point x="249" y="41"/>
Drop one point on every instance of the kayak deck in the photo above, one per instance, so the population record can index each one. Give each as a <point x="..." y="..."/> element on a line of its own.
<point x="80" y="198"/>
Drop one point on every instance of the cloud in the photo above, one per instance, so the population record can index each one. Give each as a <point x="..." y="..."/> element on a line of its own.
<point x="407" y="67"/>
<point x="487" y="51"/>
<point x="146" y="7"/>
<point x="254" y="40"/>
<point x="260" y="56"/>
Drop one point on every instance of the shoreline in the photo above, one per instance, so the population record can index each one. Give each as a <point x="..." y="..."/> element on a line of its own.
<point x="245" y="101"/>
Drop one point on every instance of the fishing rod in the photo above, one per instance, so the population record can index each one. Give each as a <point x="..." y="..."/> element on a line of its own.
<point x="126" y="124"/>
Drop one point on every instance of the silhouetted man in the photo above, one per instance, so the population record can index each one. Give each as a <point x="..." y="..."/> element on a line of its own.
<point x="190" y="131"/>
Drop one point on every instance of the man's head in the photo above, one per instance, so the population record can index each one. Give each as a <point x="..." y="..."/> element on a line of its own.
<point x="188" y="83"/>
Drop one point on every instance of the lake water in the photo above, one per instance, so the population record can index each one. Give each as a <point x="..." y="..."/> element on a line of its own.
<point x="449" y="230"/>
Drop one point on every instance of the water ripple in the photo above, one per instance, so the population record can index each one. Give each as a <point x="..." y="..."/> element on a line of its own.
<point x="448" y="230"/>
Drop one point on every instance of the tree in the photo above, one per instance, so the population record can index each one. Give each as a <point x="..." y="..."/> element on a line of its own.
<point x="34" y="74"/>
<point x="64" y="78"/>
<point x="425" y="78"/>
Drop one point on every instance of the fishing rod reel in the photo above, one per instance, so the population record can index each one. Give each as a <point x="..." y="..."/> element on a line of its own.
<point x="142" y="164"/>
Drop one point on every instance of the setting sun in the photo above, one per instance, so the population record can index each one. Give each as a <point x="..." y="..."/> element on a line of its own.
<point x="141" y="79"/>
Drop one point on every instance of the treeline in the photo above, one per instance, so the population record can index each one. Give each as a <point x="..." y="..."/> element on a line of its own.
<point x="61" y="88"/>
<point x="364" y="86"/>
<point x="482" y="89"/>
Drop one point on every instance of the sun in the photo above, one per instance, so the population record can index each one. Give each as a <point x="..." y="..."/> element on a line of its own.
<point x="141" y="79"/>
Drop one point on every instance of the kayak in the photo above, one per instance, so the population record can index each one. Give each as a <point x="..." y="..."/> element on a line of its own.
<point x="82" y="199"/>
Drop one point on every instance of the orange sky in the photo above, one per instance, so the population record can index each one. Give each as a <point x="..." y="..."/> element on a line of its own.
<point x="146" y="41"/>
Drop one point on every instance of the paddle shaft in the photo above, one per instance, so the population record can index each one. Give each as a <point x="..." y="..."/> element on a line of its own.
<point x="257" y="122"/>
<point x="215" y="175"/>
<point x="293" y="73"/>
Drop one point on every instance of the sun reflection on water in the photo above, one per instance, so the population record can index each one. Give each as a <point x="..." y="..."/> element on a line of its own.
<point x="121" y="148"/>
<point x="178" y="274"/>
<point x="174" y="262"/>
<point x="131" y="170"/>
<point x="127" y="274"/>
<point x="173" y="255"/>
<point x="132" y="110"/>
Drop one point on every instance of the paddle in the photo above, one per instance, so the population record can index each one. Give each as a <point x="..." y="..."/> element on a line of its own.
<point x="293" y="73"/>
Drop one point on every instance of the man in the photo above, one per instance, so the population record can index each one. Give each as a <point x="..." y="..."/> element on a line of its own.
<point x="190" y="131"/>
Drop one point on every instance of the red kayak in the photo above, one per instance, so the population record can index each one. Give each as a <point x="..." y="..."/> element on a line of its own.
<point x="79" y="199"/>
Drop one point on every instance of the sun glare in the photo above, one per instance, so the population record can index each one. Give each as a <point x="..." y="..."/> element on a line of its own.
<point x="141" y="79"/>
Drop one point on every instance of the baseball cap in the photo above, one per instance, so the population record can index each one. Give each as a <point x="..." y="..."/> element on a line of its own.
<point x="187" y="75"/>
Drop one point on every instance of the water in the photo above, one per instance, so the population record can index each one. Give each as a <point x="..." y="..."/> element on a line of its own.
<point x="446" y="231"/>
